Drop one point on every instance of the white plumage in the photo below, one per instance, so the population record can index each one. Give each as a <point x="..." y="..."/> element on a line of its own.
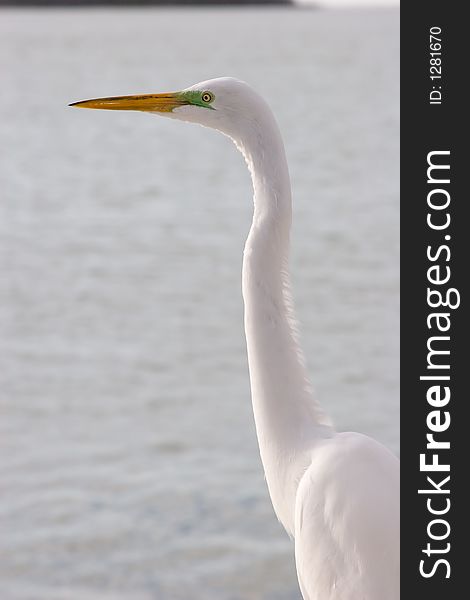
<point x="337" y="494"/>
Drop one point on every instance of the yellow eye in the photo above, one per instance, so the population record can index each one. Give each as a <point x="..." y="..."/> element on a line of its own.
<point x="207" y="97"/>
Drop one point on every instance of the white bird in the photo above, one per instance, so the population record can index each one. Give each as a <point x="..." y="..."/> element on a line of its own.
<point x="336" y="494"/>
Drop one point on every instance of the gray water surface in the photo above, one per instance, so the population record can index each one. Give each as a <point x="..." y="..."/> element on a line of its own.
<point x="129" y="466"/>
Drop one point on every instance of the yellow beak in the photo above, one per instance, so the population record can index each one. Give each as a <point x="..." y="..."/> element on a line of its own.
<point x="146" y="102"/>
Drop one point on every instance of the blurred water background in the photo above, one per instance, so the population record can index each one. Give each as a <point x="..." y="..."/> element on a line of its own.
<point x="129" y="466"/>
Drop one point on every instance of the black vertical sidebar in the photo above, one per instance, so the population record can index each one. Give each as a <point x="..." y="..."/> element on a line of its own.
<point x="435" y="252"/>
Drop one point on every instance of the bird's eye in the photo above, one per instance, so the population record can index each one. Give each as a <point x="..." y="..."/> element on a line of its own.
<point x="207" y="97"/>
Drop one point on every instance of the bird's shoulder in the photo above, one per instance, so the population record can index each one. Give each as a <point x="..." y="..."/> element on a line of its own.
<point x="347" y="515"/>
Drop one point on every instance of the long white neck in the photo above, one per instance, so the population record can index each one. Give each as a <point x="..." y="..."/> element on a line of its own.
<point x="288" y="420"/>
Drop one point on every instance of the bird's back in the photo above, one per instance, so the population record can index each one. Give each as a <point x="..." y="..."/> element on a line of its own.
<point x="347" y="522"/>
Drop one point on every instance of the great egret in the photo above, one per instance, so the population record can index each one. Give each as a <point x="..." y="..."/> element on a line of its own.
<point x="337" y="494"/>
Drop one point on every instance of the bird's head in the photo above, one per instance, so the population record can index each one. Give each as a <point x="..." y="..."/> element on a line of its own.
<point x="226" y="104"/>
